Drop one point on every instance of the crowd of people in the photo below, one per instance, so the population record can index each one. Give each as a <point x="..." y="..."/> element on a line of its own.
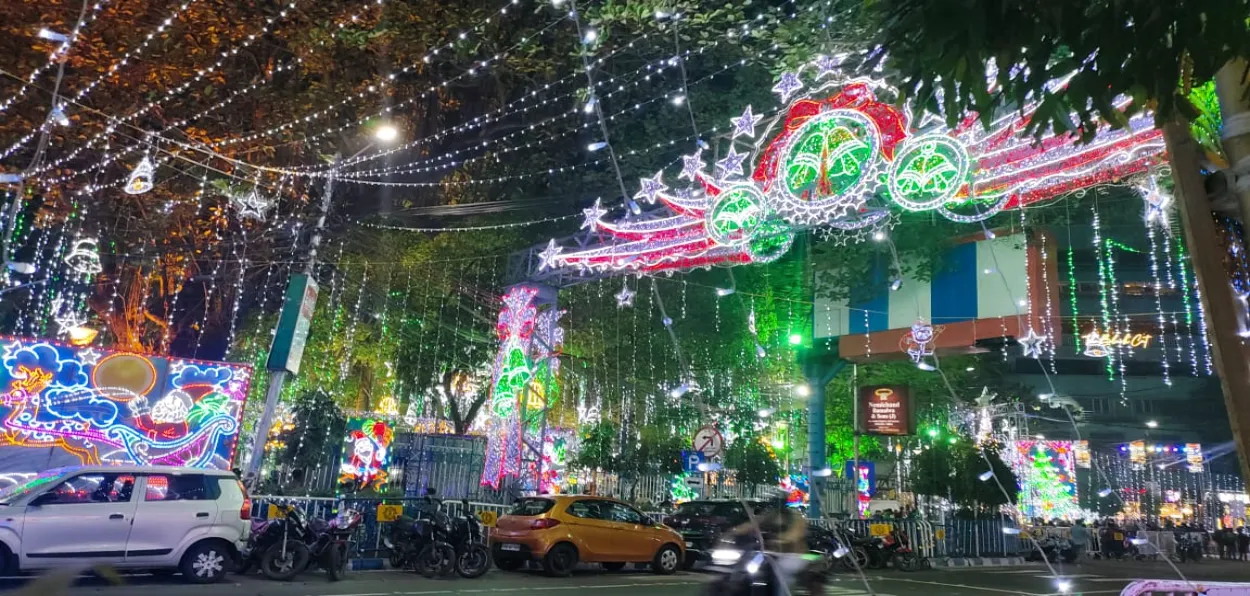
<point x="1109" y="538"/>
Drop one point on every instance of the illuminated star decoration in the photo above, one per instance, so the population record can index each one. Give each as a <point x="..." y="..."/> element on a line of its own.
<point x="1157" y="202"/>
<point x="986" y="398"/>
<point x="745" y="124"/>
<point x="549" y="256"/>
<point x="65" y="321"/>
<point x="625" y="297"/>
<point x="250" y="205"/>
<point x="730" y="166"/>
<point x="691" y="165"/>
<point x="787" y="86"/>
<point x="650" y="187"/>
<point x="826" y="65"/>
<point x="592" y="216"/>
<point x="89" y="356"/>
<point x="1032" y="344"/>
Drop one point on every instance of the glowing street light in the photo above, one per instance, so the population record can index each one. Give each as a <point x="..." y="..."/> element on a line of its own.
<point x="386" y="133"/>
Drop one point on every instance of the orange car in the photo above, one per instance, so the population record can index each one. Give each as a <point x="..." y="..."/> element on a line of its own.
<point x="562" y="530"/>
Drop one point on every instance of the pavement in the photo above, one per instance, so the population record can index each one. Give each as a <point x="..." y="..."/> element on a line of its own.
<point x="1105" y="577"/>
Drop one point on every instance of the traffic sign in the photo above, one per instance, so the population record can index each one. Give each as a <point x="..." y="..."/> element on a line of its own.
<point x="709" y="442"/>
<point x="694" y="480"/>
<point x="690" y="460"/>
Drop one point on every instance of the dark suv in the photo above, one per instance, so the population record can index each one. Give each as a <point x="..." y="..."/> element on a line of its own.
<point x="701" y="523"/>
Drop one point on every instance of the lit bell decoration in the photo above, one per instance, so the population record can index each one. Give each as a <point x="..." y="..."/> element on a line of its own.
<point x="140" y="180"/>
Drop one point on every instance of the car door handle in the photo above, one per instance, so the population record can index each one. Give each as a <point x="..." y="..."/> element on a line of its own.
<point x="202" y="514"/>
<point x="117" y="516"/>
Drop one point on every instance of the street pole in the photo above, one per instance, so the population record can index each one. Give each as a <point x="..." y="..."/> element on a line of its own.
<point x="277" y="376"/>
<point x="1220" y="306"/>
<point x="855" y="435"/>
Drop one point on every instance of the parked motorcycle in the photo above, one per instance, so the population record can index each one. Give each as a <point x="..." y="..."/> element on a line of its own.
<point x="285" y="546"/>
<point x="468" y="539"/>
<point x="415" y="543"/>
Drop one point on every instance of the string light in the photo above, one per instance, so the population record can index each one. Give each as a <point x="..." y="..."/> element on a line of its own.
<point x="56" y="56"/>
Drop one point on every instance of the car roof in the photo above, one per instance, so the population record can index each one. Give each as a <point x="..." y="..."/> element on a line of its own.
<point x="146" y="470"/>
<point x="571" y="498"/>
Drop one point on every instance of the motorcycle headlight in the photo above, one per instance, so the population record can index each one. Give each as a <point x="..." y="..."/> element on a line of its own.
<point x="754" y="566"/>
<point x="841" y="552"/>
<point x="725" y="556"/>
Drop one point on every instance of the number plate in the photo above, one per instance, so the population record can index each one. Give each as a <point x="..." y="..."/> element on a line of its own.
<point x="512" y="547"/>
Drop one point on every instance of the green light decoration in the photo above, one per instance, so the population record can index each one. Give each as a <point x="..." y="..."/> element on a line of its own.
<point x="928" y="171"/>
<point x="1072" y="295"/>
<point x="738" y="212"/>
<point x="681" y="492"/>
<point x="831" y="157"/>
<point x="1206" y="127"/>
<point x="771" y="240"/>
<point x="513" y="377"/>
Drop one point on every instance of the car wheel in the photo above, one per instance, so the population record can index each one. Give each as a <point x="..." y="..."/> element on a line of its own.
<point x="205" y="563"/>
<point x="667" y="560"/>
<point x="560" y="560"/>
<point x="509" y="564"/>
<point x="613" y="566"/>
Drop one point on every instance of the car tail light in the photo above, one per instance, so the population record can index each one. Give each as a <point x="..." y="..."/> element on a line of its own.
<point x="544" y="523"/>
<point x="245" y="512"/>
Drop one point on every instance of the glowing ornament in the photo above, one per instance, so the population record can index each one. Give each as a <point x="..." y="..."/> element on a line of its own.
<point x="173" y="408"/>
<point x="625" y="297"/>
<point x="730" y="166"/>
<point x="736" y="214"/>
<point x="771" y="240"/>
<point x="1094" y="345"/>
<point x="140" y="180"/>
<point x="1157" y="203"/>
<point x="826" y="66"/>
<point x="788" y="85"/>
<point x="745" y="124"/>
<point x="84" y="257"/>
<point x="250" y="205"/>
<point x="388" y="406"/>
<point x="650" y="187"/>
<point x="410" y="415"/>
<point x="66" y="321"/>
<point x="692" y="165"/>
<point x="592" y="216"/>
<point x="1032" y="344"/>
<point x="549" y="256"/>
<point x="920" y="341"/>
<point x="927" y="171"/>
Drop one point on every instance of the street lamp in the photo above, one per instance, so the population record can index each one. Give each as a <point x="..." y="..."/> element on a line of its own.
<point x="1152" y="424"/>
<point x="803" y="390"/>
<point x="386" y="133"/>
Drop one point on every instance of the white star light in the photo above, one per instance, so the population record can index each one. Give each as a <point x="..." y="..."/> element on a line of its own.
<point x="89" y="356"/>
<point x="1032" y="344"/>
<point x="691" y="166"/>
<point x="625" y="297"/>
<point x="986" y="398"/>
<point x="787" y="86"/>
<point x="593" y="215"/>
<point x="825" y="66"/>
<point x="650" y="187"/>
<point x="251" y="205"/>
<point x="731" y="165"/>
<point x="549" y="255"/>
<point x="745" y="124"/>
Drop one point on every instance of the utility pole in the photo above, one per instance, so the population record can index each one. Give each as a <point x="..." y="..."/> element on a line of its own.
<point x="291" y="334"/>
<point x="1221" y="307"/>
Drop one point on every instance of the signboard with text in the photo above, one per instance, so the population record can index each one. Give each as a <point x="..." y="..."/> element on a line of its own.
<point x="886" y="410"/>
<point x="293" y="324"/>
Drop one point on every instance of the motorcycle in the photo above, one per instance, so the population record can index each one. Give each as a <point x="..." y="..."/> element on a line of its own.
<point x="468" y="539"/>
<point x="834" y="549"/>
<point x="414" y="543"/>
<point x="745" y="570"/>
<point x="285" y="546"/>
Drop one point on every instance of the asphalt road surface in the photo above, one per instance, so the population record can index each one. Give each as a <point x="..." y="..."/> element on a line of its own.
<point x="1091" y="578"/>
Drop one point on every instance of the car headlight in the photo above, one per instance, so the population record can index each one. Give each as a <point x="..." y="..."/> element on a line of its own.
<point x="725" y="556"/>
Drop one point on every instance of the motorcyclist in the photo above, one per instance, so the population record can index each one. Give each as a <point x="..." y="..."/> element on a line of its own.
<point x="784" y="535"/>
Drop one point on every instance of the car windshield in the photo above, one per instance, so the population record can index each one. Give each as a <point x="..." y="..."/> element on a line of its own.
<point x="709" y="509"/>
<point x="7" y="495"/>
<point x="531" y="507"/>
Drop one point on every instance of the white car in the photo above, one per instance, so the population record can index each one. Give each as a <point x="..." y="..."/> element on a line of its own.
<point x="159" y="518"/>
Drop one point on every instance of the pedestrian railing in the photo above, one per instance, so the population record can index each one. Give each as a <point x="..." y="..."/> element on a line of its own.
<point x="1161" y="587"/>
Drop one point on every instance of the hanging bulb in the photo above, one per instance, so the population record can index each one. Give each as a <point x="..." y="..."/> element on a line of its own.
<point x="634" y="208"/>
<point x="989" y="234"/>
<point x="597" y="145"/>
<point x="678" y="100"/>
<point x="58" y="116"/>
<point x="589" y="108"/>
<point x="896" y="284"/>
<point x="590" y="36"/>
<point x="878" y="235"/>
<point x="724" y="291"/>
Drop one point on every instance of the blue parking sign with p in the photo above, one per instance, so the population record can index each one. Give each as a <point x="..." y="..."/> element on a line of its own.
<point x="690" y="460"/>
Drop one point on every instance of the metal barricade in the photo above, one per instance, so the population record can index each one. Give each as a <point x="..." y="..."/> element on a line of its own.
<point x="1166" y="587"/>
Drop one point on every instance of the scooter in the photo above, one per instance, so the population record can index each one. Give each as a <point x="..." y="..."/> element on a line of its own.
<point x="745" y="570"/>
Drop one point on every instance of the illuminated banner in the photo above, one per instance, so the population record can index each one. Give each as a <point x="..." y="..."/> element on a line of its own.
<point x="1081" y="450"/>
<point x="1137" y="453"/>
<point x="1193" y="457"/>
<point x="367" y="454"/>
<point x="1099" y="345"/>
<point x="886" y="410"/>
<point x="68" y="406"/>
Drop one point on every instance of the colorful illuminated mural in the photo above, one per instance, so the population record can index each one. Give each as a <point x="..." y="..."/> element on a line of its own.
<point x="367" y="454"/>
<point x="67" y="406"/>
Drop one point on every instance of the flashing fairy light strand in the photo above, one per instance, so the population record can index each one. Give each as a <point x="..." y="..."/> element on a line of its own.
<point x="55" y="58"/>
<point x="519" y="224"/>
<point x="387" y="80"/>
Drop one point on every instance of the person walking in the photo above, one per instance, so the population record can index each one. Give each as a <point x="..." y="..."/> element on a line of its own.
<point x="1080" y="540"/>
<point x="1243" y="543"/>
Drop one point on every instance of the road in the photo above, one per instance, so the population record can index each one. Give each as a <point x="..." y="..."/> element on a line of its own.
<point x="1092" y="578"/>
